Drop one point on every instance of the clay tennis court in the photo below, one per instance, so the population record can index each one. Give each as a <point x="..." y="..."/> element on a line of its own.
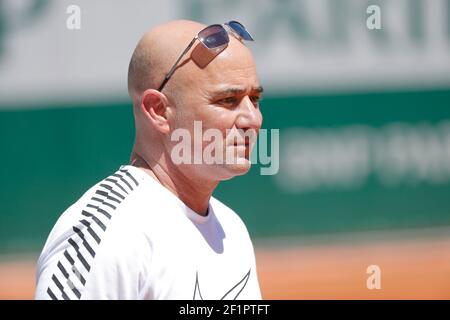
<point x="410" y="269"/>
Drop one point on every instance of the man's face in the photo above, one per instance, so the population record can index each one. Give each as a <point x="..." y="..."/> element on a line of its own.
<point x="222" y="98"/>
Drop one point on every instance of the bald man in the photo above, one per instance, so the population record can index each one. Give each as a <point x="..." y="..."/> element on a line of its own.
<point x="153" y="230"/>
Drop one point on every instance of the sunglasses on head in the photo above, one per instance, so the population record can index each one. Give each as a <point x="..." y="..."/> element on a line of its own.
<point x="214" y="38"/>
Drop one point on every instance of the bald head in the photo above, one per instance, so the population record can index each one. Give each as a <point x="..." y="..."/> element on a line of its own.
<point x="155" y="53"/>
<point x="159" y="48"/>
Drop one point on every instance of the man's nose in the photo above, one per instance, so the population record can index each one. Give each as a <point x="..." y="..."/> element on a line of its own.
<point x="250" y="116"/>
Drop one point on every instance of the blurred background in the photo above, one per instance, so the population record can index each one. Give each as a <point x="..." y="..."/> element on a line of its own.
<point x="364" y="140"/>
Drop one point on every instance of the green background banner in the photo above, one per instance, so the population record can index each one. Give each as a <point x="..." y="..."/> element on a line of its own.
<point x="51" y="155"/>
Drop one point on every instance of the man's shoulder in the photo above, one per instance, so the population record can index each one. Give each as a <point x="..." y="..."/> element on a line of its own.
<point x="94" y="226"/>
<point x="95" y="210"/>
<point x="107" y="196"/>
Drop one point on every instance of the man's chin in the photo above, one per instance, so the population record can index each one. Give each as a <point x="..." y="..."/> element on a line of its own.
<point x="237" y="169"/>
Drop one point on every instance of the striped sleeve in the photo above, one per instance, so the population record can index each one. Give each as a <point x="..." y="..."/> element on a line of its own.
<point x="65" y="272"/>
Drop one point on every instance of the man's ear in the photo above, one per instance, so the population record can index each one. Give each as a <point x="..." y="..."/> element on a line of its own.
<point x="153" y="106"/>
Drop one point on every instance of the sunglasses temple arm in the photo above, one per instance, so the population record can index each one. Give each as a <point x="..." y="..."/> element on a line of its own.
<point x="172" y="70"/>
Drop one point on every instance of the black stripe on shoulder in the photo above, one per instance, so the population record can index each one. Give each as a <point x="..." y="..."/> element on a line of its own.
<point x="117" y="184"/>
<point x="84" y="241"/>
<point x="91" y="231"/>
<point x="110" y="188"/>
<point x="102" y="201"/>
<point x="130" y="176"/>
<point x="94" y="218"/>
<point x="79" y="255"/>
<point x="117" y="175"/>
<point x="51" y="294"/>
<point x="60" y="287"/>
<point x="107" y="196"/>
<point x="68" y="257"/>
<point x="105" y="213"/>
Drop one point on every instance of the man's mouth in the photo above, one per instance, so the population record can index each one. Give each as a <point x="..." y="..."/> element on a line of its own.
<point x="244" y="144"/>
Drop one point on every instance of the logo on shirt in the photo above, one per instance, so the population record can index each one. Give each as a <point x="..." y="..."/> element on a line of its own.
<point x="232" y="294"/>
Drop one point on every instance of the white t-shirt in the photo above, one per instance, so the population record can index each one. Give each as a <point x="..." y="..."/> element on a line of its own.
<point x="128" y="237"/>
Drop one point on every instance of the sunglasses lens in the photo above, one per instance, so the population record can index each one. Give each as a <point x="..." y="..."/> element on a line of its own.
<point x="213" y="36"/>
<point x="240" y="30"/>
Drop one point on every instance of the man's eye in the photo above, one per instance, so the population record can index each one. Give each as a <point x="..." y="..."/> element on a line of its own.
<point x="256" y="99"/>
<point x="229" y="100"/>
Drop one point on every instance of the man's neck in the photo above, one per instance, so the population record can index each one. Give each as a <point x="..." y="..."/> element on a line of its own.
<point x="194" y="194"/>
